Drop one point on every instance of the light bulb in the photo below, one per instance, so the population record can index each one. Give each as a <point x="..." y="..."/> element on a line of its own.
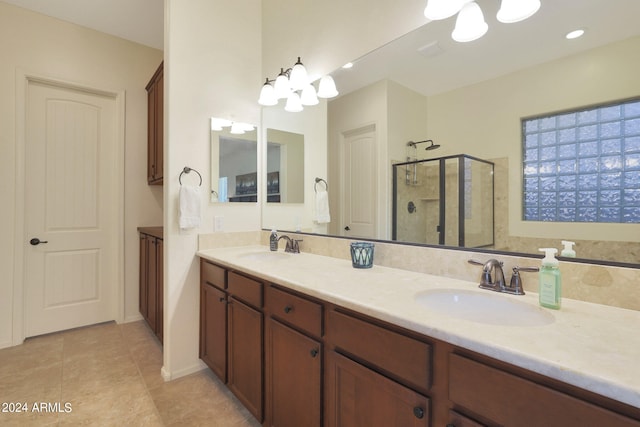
<point x="282" y="86"/>
<point x="517" y="10"/>
<point x="236" y="129"/>
<point x="309" y="96"/>
<point x="442" y="9"/>
<point x="327" y="88"/>
<point x="298" y="77"/>
<point x="267" y="95"/>
<point x="293" y="103"/>
<point x="470" y="24"/>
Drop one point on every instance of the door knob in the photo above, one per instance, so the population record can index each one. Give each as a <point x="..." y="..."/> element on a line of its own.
<point x="35" y="241"/>
<point x="347" y="228"/>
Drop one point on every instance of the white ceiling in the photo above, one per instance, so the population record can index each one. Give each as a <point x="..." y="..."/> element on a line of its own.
<point x="504" y="49"/>
<point x="141" y="21"/>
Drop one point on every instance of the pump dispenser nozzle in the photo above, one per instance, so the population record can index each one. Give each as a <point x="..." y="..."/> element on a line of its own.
<point x="549" y="257"/>
<point x="568" y="249"/>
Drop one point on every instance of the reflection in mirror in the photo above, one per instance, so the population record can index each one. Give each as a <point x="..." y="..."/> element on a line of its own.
<point x="285" y="166"/>
<point x="470" y="98"/>
<point x="234" y="166"/>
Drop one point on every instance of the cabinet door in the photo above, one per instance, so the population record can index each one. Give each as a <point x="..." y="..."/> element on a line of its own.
<point x="360" y="397"/>
<point x="155" y="132"/>
<point x="245" y="355"/>
<point x="152" y="277"/>
<point x="159" y="132"/>
<point x="142" y="304"/>
<point x="159" y="285"/>
<point x="293" y="372"/>
<point x="213" y="329"/>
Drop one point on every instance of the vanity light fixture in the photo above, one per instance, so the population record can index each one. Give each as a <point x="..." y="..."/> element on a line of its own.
<point x="237" y="128"/>
<point x="470" y="23"/>
<point x="295" y="85"/>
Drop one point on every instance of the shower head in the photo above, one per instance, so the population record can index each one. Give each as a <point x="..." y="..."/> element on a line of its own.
<point x="430" y="147"/>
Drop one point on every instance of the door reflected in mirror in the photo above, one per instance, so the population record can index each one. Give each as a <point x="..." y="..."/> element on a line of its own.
<point x="234" y="166"/>
<point x="285" y="167"/>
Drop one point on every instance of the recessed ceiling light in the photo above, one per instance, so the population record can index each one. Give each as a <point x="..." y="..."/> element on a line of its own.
<point x="574" y="34"/>
<point x="347" y="65"/>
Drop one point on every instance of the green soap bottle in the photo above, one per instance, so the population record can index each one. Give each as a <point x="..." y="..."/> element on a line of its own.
<point x="550" y="292"/>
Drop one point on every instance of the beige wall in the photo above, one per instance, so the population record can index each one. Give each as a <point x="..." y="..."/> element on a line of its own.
<point x="212" y="68"/>
<point x="39" y="45"/>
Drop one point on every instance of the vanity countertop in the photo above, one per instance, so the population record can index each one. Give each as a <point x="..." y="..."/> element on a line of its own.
<point x="595" y="347"/>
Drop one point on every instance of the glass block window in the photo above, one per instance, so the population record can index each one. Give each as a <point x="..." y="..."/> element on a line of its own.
<point x="583" y="165"/>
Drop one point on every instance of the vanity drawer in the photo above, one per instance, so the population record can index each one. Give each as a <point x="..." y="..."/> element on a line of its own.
<point x="297" y="311"/>
<point x="245" y="289"/>
<point x="401" y="357"/>
<point x="508" y="399"/>
<point x="213" y="275"/>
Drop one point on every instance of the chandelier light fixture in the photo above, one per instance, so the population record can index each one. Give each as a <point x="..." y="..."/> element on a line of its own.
<point x="470" y="23"/>
<point x="294" y="85"/>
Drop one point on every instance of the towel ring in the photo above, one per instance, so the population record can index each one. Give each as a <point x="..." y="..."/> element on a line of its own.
<point x="315" y="186"/>
<point x="187" y="169"/>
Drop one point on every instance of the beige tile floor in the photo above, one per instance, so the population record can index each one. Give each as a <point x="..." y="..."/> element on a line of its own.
<point x="108" y="375"/>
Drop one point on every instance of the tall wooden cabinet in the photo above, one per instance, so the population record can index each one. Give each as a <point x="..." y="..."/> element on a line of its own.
<point x="155" y="122"/>
<point x="151" y="278"/>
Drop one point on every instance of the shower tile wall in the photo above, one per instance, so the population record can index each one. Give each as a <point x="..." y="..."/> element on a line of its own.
<point x="421" y="225"/>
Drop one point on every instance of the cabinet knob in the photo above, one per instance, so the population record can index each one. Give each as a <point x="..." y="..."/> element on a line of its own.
<point x="288" y="309"/>
<point x="314" y="352"/>
<point x="221" y="299"/>
<point x="418" y="412"/>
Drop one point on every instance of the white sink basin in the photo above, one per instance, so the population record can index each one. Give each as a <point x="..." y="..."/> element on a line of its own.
<point x="265" y="255"/>
<point x="483" y="307"/>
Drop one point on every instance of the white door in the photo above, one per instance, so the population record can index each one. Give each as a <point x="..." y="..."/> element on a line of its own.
<point x="360" y="183"/>
<point x="71" y="203"/>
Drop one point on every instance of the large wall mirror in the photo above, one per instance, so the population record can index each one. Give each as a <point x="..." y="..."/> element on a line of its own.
<point x="234" y="163"/>
<point x="470" y="99"/>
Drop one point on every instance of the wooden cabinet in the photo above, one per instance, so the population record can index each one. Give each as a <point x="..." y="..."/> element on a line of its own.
<point x="155" y="130"/>
<point x="213" y="329"/>
<point x="151" y="282"/>
<point x="245" y="355"/>
<point x="375" y="376"/>
<point x="361" y="397"/>
<point x="231" y="332"/>
<point x="499" y="397"/>
<point x="325" y="365"/>
<point x="293" y="360"/>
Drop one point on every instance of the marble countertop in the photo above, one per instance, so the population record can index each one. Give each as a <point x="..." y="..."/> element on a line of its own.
<point x="595" y="347"/>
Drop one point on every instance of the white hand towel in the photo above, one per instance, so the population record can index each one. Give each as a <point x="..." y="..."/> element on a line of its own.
<point x="322" y="215"/>
<point x="189" y="206"/>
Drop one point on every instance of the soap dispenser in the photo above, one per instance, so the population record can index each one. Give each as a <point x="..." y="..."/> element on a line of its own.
<point x="273" y="240"/>
<point x="550" y="292"/>
<point x="568" y="250"/>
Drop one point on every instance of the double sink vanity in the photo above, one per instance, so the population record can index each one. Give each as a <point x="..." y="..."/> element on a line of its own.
<point x="307" y="340"/>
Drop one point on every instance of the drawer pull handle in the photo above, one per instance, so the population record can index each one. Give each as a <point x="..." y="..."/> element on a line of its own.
<point x="221" y="299"/>
<point x="314" y="352"/>
<point x="450" y="425"/>
<point x="288" y="309"/>
<point x="418" y="412"/>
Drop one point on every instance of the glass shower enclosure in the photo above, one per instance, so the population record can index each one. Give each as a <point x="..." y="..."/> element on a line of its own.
<point x="444" y="201"/>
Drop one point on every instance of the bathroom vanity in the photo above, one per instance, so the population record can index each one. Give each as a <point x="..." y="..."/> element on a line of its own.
<point x="307" y="340"/>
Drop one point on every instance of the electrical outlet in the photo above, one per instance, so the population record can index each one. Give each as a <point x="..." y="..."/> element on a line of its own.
<point x="218" y="223"/>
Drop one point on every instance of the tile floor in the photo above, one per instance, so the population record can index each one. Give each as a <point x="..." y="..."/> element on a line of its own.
<point x="108" y="375"/>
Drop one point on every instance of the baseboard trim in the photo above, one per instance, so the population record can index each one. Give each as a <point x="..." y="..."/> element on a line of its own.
<point x="170" y="376"/>
<point x="133" y="318"/>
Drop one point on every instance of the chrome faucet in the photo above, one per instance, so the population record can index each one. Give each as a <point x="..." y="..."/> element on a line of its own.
<point x="487" y="281"/>
<point x="497" y="282"/>
<point x="292" y="246"/>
